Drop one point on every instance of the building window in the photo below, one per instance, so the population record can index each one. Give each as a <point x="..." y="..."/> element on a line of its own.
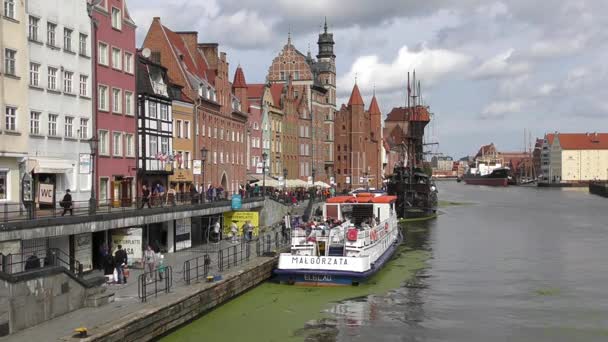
<point x="33" y="33"/>
<point x="129" y="146"/>
<point x="164" y="112"/>
<point x="128" y="63"/>
<point x="117" y="144"/>
<point x="68" y="127"/>
<point x="103" y="54"/>
<point x="187" y="129"/>
<point x="50" y="34"/>
<point x="104" y="143"/>
<point x="296" y="75"/>
<point x="214" y="157"/>
<point x="9" y="62"/>
<point x="128" y="103"/>
<point x="84" y="80"/>
<point x="152" y="110"/>
<point x="116" y="62"/>
<point x="282" y="75"/>
<point x="103" y="98"/>
<point x="103" y="190"/>
<point x="116" y="100"/>
<point x="11" y="118"/>
<point x="84" y="129"/>
<point x="153" y="145"/>
<point x="35" y="74"/>
<point x="34" y="122"/>
<point x="52" y="78"/>
<point x="67" y="39"/>
<point x="67" y="81"/>
<point x="116" y="18"/>
<point x="9" y="8"/>
<point x="178" y="129"/>
<point x="186" y="160"/>
<point x="53" y="125"/>
<point x="164" y="145"/>
<point x="82" y="44"/>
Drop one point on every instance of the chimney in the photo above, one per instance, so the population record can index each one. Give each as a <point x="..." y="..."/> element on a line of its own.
<point x="210" y="52"/>
<point x="190" y="38"/>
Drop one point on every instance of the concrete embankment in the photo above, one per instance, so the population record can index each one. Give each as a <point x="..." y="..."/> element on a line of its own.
<point x="186" y="303"/>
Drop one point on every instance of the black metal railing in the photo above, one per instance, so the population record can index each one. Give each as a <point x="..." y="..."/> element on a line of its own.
<point x="39" y="258"/>
<point x="196" y="268"/>
<point x="152" y="283"/>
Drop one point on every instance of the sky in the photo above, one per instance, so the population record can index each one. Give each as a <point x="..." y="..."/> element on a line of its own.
<point x="488" y="69"/>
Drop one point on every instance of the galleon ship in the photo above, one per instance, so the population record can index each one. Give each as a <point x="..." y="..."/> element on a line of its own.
<point x="358" y="236"/>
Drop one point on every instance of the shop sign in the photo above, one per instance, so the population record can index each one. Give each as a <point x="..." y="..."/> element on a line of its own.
<point x="241" y="217"/>
<point x="85" y="164"/>
<point x="197" y="167"/>
<point x="131" y="241"/>
<point x="83" y="247"/>
<point x="237" y="202"/>
<point x="347" y="180"/>
<point x="46" y="193"/>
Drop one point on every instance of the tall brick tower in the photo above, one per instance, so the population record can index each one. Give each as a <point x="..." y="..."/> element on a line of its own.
<point x="326" y="66"/>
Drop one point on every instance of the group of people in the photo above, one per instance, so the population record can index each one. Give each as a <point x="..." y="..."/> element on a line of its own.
<point x="115" y="266"/>
<point x="247" y="231"/>
<point x="156" y="195"/>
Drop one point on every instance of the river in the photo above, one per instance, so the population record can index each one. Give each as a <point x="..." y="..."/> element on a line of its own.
<point x="499" y="264"/>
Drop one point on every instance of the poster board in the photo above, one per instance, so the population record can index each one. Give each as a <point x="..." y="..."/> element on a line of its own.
<point x="183" y="231"/>
<point x="131" y="241"/>
<point x="46" y="193"/>
<point x="83" y="250"/>
<point x="241" y="217"/>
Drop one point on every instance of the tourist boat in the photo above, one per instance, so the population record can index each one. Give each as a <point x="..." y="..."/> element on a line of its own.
<point x="416" y="193"/>
<point x="498" y="177"/>
<point x="364" y="238"/>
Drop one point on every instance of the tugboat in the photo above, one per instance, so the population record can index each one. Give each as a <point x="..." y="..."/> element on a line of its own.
<point x="359" y="236"/>
<point x="416" y="193"/>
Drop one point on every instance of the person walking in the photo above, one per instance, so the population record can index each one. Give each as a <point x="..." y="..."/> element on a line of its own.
<point x="67" y="204"/>
<point x="161" y="194"/>
<point x="120" y="261"/>
<point x="216" y="231"/>
<point x="145" y="196"/>
<point x="149" y="263"/>
<point x="234" y="229"/>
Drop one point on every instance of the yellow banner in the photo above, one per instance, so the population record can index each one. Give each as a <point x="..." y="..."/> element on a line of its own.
<point x="241" y="218"/>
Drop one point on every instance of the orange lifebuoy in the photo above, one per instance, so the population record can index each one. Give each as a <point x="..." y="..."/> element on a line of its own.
<point x="351" y="235"/>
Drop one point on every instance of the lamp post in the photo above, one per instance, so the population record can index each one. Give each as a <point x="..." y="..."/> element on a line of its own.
<point x="314" y="188"/>
<point x="284" y="180"/>
<point x="264" y="158"/>
<point x="203" y="159"/>
<point x="93" y="144"/>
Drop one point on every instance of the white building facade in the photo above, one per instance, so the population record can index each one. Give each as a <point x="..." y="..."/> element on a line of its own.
<point x="60" y="96"/>
<point x="579" y="157"/>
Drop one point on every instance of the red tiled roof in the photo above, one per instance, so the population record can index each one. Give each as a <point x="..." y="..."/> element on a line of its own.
<point x="276" y="89"/>
<point x="255" y="91"/>
<point x="239" y="78"/>
<point x="192" y="59"/>
<point x="355" y="97"/>
<point x="583" y="141"/>
<point x="373" y="107"/>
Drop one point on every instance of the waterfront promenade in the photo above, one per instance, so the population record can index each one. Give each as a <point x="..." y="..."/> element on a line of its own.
<point x="127" y="305"/>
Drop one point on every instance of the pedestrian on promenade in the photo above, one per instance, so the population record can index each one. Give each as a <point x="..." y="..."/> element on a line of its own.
<point x="160" y="265"/>
<point x="193" y="194"/>
<point x="120" y="261"/>
<point x="149" y="263"/>
<point x="216" y="231"/>
<point x="234" y="229"/>
<point x="67" y="203"/>
<point x="213" y="193"/>
<point x="256" y="190"/>
<point x="145" y="196"/>
<point x="161" y="193"/>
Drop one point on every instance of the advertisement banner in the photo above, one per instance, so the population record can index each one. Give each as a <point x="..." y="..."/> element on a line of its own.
<point x="46" y="193"/>
<point x="83" y="247"/>
<point x="237" y="202"/>
<point x="85" y="164"/>
<point x="183" y="228"/>
<point x="197" y="167"/>
<point x="131" y="241"/>
<point x="241" y="218"/>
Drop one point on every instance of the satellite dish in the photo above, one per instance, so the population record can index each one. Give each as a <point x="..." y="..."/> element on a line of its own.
<point x="146" y="52"/>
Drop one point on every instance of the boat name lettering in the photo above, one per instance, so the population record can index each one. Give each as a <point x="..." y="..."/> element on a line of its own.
<point x="317" y="277"/>
<point x="319" y="261"/>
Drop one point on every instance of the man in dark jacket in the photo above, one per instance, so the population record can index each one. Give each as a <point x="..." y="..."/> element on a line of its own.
<point x="120" y="260"/>
<point x="67" y="204"/>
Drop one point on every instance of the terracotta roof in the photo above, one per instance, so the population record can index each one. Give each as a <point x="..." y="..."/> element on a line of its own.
<point x="418" y="113"/>
<point x="355" y="97"/>
<point x="549" y="138"/>
<point x="239" y="78"/>
<point x="583" y="141"/>
<point x="191" y="59"/>
<point x="373" y="107"/>
<point x="276" y="89"/>
<point x="255" y="91"/>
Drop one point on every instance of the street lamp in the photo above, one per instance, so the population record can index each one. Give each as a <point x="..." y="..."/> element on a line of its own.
<point x="93" y="144"/>
<point x="203" y="159"/>
<point x="314" y="188"/>
<point x="284" y="179"/>
<point x="264" y="158"/>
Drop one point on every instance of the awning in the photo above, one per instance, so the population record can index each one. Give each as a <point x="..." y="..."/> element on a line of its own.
<point x="322" y="184"/>
<point x="296" y="183"/>
<point x="51" y="165"/>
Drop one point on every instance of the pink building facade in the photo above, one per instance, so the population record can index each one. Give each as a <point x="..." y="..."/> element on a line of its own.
<point x="115" y="116"/>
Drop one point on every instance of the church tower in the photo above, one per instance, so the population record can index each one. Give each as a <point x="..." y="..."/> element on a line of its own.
<point x="326" y="67"/>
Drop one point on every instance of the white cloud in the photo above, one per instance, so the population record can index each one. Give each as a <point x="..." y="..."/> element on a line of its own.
<point x="499" y="109"/>
<point x="430" y="64"/>
<point x="243" y="29"/>
<point x="500" y="65"/>
<point x="561" y="46"/>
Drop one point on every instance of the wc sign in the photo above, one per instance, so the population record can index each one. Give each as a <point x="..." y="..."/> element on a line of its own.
<point x="46" y="193"/>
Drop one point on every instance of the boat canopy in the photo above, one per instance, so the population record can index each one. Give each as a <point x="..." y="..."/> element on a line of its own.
<point x="367" y="198"/>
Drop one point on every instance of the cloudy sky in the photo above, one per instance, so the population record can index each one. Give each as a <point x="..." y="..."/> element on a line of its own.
<point x="488" y="69"/>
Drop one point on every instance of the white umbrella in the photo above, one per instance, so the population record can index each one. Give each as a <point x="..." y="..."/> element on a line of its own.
<point x="322" y="184"/>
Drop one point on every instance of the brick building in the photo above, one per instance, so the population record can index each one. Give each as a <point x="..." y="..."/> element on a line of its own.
<point x="257" y="108"/>
<point x="313" y="86"/>
<point x="220" y="118"/>
<point x="358" y="144"/>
